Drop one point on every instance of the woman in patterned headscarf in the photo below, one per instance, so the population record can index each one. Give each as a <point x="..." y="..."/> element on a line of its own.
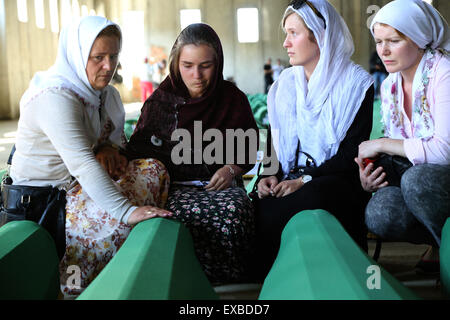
<point x="413" y="41"/>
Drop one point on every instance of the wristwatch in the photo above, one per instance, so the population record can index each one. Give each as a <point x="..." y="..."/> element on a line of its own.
<point x="306" y="178"/>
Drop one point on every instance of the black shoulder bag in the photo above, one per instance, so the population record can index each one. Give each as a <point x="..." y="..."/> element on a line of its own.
<point x="293" y="174"/>
<point x="43" y="205"/>
<point x="393" y="166"/>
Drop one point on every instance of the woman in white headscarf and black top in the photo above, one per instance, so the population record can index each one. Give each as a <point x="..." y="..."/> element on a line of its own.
<point x="319" y="112"/>
<point x="69" y="136"/>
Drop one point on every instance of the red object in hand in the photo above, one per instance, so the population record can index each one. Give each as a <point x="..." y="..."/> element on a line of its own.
<point x="366" y="161"/>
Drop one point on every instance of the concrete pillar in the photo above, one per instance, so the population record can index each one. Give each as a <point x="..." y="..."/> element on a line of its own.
<point x="444" y="8"/>
<point x="244" y="62"/>
<point x="25" y="50"/>
<point x="356" y="14"/>
<point x="5" y="111"/>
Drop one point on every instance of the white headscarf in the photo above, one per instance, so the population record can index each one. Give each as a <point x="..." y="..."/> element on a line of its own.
<point x="423" y="24"/>
<point x="418" y="20"/>
<point x="69" y="71"/>
<point x="318" y="112"/>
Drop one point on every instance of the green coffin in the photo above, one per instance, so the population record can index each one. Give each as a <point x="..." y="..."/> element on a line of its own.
<point x="28" y="262"/>
<point x="444" y="253"/>
<point x="377" y="126"/>
<point x="129" y="127"/>
<point x="156" y="262"/>
<point x="319" y="260"/>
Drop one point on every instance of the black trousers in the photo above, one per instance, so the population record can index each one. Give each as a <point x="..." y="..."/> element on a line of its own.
<point x="345" y="199"/>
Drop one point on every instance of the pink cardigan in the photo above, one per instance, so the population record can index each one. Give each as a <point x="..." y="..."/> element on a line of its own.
<point x="437" y="149"/>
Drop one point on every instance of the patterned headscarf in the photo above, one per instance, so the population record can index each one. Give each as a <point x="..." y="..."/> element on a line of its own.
<point x="417" y="20"/>
<point x="423" y="24"/>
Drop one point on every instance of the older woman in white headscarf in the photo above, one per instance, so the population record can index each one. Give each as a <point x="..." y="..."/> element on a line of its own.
<point x="413" y="40"/>
<point x="320" y="110"/>
<point x="69" y="136"/>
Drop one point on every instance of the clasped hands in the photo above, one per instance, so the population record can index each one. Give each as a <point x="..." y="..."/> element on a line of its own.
<point x="270" y="187"/>
<point x="371" y="180"/>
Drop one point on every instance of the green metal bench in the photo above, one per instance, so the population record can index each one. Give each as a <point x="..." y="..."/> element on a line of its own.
<point x="28" y="262"/>
<point x="444" y="253"/>
<point x="156" y="262"/>
<point x="319" y="260"/>
<point x="2" y="173"/>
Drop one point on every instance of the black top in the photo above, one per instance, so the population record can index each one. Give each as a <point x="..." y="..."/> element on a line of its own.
<point x="222" y="107"/>
<point x="342" y="163"/>
<point x="268" y="74"/>
<point x="163" y="113"/>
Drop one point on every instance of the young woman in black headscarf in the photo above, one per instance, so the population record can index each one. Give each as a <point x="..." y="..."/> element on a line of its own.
<point x="184" y="124"/>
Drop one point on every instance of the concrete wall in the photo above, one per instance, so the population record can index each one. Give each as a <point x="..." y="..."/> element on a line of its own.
<point x="4" y="82"/>
<point x="243" y="62"/>
<point x="356" y="14"/>
<point x="25" y="49"/>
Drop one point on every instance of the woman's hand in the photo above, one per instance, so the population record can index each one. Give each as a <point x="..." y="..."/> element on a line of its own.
<point x="369" y="149"/>
<point x="266" y="186"/>
<point x="373" y="148"/>
<point x="287" y="187"/>
<point x="222" y="179"/>
<point x="371" y="180"/>
<point x="112" y="161"/>
<point x="146" y="213"/>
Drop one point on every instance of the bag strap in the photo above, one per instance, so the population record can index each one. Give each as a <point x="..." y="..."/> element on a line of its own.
<point x="297" y="152"/>
<point x="56" y="197"/>
<point x="297" y="156"/>
<point x="255" y="185"/>
<point x="11" y="155"/>
<point x="258" y="172"/>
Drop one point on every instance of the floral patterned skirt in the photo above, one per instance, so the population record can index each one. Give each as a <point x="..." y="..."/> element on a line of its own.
<point x="93" y="236"/>
<point x="222" y="228"/>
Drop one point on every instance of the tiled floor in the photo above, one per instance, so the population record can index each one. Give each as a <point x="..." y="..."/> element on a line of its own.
<point x="399" y="259"/>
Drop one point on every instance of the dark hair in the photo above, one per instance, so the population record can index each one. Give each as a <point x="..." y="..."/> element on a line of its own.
<point x="197" y="35"/>
<point x="111" y="31"/>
